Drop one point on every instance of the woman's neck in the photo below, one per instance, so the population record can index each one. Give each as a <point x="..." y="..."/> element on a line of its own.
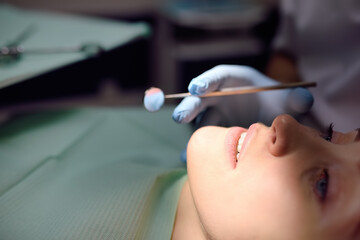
<point x="187" y="224"/>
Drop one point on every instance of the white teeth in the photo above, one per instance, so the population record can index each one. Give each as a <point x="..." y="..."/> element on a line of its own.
<point x="241" y="141"/>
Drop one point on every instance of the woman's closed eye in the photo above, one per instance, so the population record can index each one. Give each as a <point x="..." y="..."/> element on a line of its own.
<point x="329" y="134"/>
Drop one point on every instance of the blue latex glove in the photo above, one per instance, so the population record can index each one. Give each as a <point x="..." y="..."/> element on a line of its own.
<point x="240" y="109"/>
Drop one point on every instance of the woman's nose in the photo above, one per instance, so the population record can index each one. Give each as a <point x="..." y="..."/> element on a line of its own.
<point x="284" y="135"/>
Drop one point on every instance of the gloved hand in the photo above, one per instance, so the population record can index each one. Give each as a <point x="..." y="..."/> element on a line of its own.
<point x="239" y="109"/>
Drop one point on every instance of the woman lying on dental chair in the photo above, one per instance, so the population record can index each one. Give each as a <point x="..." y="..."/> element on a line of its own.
<point x="286" y="181"/>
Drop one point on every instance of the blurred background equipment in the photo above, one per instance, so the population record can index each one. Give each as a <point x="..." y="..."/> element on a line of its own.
<point x="46" y="55"/>
<point x="162" y="43"/>
<point x="195" y="36"/>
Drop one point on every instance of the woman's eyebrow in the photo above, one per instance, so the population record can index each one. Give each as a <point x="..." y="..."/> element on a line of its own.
<point x="357" y="137"/>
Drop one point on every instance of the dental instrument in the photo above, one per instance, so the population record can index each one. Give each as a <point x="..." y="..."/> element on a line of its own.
<point x="14" y="49"/>
<point x="88" y="48"/>
<point x="154" y="97"/>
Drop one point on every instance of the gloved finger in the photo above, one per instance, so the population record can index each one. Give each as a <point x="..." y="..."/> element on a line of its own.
<point x="189" y="108"/>
<point x="299" y="101"/>
<point x="230" y="75"/>
<point x="183" y="157"/>
<point x="206" y="82"/>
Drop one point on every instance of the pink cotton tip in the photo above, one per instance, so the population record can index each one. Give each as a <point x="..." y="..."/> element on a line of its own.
<point x="154" y="99"/>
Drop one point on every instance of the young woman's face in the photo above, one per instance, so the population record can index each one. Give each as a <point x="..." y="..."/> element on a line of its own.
<point x="288" y="182"/>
